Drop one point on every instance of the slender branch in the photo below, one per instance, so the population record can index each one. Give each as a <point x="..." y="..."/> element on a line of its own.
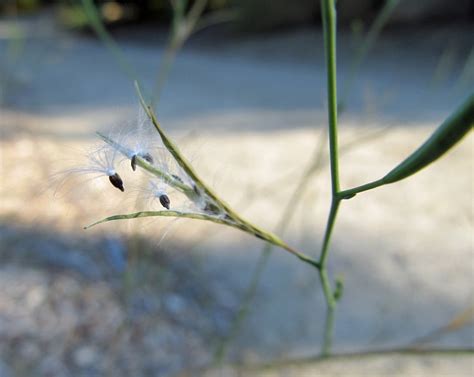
<point x="249" y="294"/>
<point x="380" y="21"/>
<point x="328" y="332"/>
<point x="183" y="25"/>
<point x="328" y="11"/>
<point x="96" y="23"/>
<point x="329" y="16"/>
<point x="327" y="234"/>
<point x="169" y="55"/>
<point x="329" y="24"/>
<point x="350" y="193"/>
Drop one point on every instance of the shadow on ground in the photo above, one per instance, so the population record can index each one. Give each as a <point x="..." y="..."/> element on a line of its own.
<point x="97" y="305"/>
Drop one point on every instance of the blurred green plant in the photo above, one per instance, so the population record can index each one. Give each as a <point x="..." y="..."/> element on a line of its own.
<point x="368" y="41"/>
<point x="187" y="18"/>
<point x="15" y="47"/>
<point x="15" y="6"/>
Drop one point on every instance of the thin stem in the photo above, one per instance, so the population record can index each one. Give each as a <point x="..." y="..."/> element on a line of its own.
<point x="380" y="21"/>
<point x="466" y="77"/>
<point x="329" y="24"/>
<point x="95" y="21"/>
<point x="328" y="11"/>
<point x="350" y="193"/>
<point x="249" y="294"/>
<point x="323" y="275"/>
<point x="327" y="234"/>
<point x="183" y="25"/>
<point x="169" y="55"/>
<point x="328" y="331"/>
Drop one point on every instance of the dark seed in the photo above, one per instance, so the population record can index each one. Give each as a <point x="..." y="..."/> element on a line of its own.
<point x="134" y="162"/>
<point x="212" y="208"/>
<point x="116" y="181"/>
<point x="148" y="157"/>
<point x="165" y="201"/>
<point x="177" y="178"/>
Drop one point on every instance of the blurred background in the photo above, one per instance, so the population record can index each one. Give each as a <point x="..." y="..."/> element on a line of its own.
<point x="241" y="86"/>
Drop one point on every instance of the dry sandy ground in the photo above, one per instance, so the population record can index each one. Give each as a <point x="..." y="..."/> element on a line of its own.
<point x="249" y="114"/>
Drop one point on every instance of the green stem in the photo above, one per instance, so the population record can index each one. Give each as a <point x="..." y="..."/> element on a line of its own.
<point x="249" y="294"/>
<point x="380" y="21"/>
<point x="328" y="331"/>
<point x="169" y="55"/>
<point x="328" y="11"/>
<point x="327" y="234"/>
<point x="183" y="25"/>
<point x="95" y="21"/>
<point x="350" y="193"/>
<point x="330" y="300"/>
<point x="329" y="25"/>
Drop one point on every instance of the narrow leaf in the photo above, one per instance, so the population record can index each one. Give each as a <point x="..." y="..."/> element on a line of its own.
<point x="451" y="131"/>
<point x="188" y="215"/>
<point x="447" y="135"/>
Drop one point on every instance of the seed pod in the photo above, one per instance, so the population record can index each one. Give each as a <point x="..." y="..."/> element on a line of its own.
<point x="133" y="162"/>
<point x="165" y="201"/>
<point x="443" y="139"/>
<point x="116" y="181"/>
